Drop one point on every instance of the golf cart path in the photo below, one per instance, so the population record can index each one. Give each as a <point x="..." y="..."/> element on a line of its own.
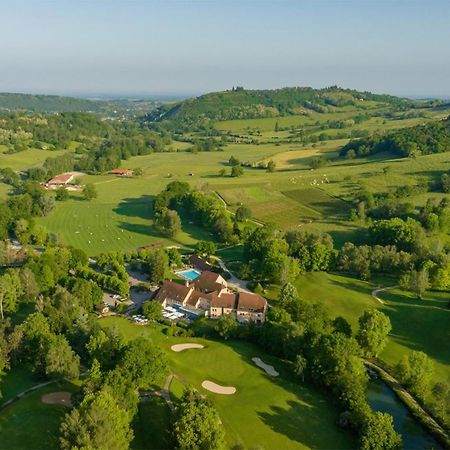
<point x="233" y="282"/>
<point x="375" y="293"/>
<point x="25" y="392"/>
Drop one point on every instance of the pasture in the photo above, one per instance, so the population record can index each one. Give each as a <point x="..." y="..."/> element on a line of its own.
<point x="280" y="412"/>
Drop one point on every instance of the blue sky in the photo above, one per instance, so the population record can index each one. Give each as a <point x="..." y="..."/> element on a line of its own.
<point x="139" y="47"/>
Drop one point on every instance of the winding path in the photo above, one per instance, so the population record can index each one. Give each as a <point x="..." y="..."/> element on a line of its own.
<point x="377" y="291"/>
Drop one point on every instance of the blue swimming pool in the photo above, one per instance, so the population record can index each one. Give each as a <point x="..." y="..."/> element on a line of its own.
<point x="189" y="274"/>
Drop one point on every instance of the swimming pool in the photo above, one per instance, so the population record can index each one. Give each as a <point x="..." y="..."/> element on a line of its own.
<point x="189" y="274"/>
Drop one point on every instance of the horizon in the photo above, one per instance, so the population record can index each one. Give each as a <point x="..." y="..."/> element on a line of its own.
<point x="105" y="96"/>
<point x="188" y="48"/>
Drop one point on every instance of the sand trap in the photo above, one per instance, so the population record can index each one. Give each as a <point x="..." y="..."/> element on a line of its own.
<point x="59" y="398"/>
<point x="217" y="388"/>
<point x="181" y="347"/>
<point x="269" y="369"/>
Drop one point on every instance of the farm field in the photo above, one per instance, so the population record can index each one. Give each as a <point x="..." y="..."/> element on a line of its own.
<point x="416" y="324"/>
<point x="288" y="198"/>
<point x="280" y="413"/>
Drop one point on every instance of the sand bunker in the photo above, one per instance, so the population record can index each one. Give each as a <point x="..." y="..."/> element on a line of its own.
<point x="58" y="398"/>
<point x="181" y="347"/>
<point x="269" y="369"/>
<point x="217" y="388"/>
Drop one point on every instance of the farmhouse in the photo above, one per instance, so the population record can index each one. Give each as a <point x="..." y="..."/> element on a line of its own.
<point x="122" y="172"/>
<point x="60" y="180"/>
<point x="209" y="295"/>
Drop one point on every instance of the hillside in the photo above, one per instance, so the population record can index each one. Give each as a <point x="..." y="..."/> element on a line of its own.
<point x="56" y="103"/>
<point x="240" y="103"/>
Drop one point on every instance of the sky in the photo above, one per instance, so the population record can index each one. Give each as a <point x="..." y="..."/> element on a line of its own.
<point x="188" y="47"/>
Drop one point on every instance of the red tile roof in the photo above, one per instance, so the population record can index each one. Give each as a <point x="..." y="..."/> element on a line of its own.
<point x="208" y="281"/>
<point x="173" y="291"/>
<point x="61" y="179"/>
<point x="225" y="300"/>
<point x="251" y="302"/>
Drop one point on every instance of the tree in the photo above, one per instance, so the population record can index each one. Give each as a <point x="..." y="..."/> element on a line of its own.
<point x="153" y="311"/>
<point x="62" y="194"/>
<point x="288" y="297"/>
<point x="97" y="423"/>
<point x="243" y="213"/>
<point x="138" y="172"/>
<point x="167" y="221"/>
<point x="233" y="161"/>
<point x="379" y="434"/>
<point x="237" y="171"/>
<point x="300" y="365"/>
<point x="226" y="325"/>
<point x="277" y="127"/>
<point x="10" y="291"/>
<point x="415" y="371"/>
<point x="207" y="248"/>
<point x="374" y="327"/>
<point x="158" y="264"/>
<point x="271" y="166"/>
<point x="341" y="325"/>
<point x="198" y="426"/>
<point x="89" y="192"/>
<point x="416" y="281"/>
<point x="144" y="363"/>
<point x="61" y="361"/>
<point x="222" y="172"/>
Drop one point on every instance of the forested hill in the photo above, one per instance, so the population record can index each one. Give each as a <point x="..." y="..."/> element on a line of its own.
<point x="240" y="103"/>
<point x="412" y="141"/>
<point x="47" y="103"/>
<point x="55" y="103"/>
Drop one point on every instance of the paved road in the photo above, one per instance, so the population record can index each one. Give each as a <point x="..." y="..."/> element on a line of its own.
<point x="233" y="282"/>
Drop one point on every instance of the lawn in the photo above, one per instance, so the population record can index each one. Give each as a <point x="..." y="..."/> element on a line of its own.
<point x="17" y="380"/>
<point x="31" y="424"/>
<point x="279" y="412"/>
<point x="97" y="227"/>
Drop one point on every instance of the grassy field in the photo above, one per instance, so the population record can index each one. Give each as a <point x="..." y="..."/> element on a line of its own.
<point x="31" y="424"/>
<point x="416" y="324"/>
<point x="28" y="158"/>
<point x="280" y="413"/>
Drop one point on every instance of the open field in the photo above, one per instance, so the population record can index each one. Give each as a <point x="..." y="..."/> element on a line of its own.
<point x="120" y="218"/>
<point x="416" y="324"/>
<point x="28" y="158"/>
<point x="32" y="424"/>
<point x="280" y="413"/>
